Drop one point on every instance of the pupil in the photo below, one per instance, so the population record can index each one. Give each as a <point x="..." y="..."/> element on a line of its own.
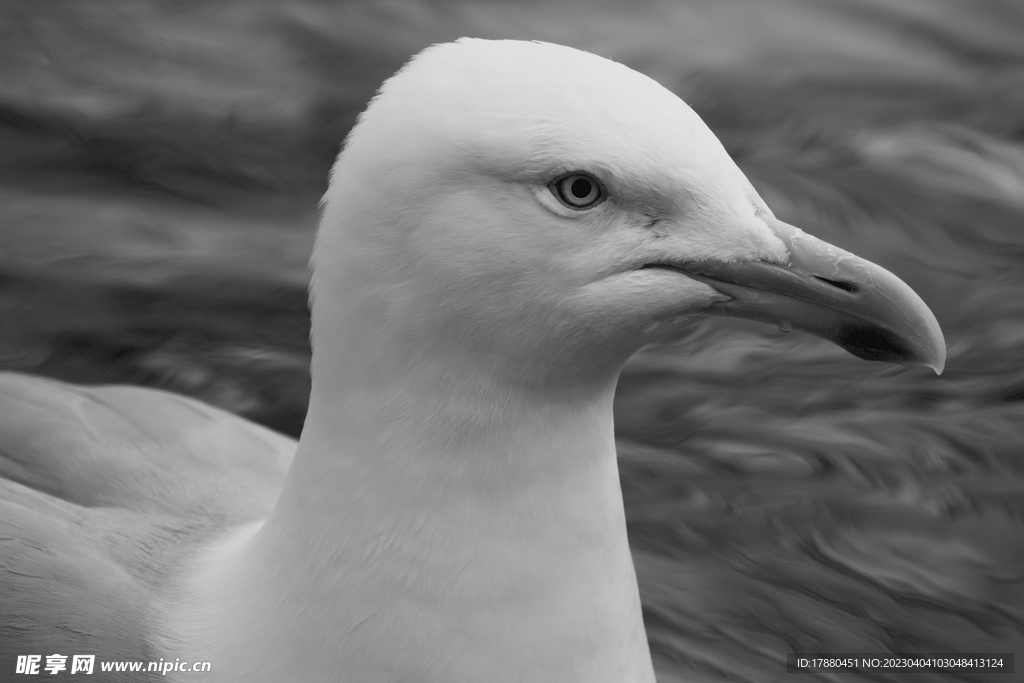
<point x="580" y="188"/>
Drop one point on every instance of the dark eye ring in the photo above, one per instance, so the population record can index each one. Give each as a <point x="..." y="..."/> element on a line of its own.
<point x="577" y="190"/>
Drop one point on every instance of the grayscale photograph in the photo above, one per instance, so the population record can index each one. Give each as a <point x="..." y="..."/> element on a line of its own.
<point x="509" y="341"/>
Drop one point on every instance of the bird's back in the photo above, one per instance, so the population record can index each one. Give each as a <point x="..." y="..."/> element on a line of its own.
<point x="105" y="492"/>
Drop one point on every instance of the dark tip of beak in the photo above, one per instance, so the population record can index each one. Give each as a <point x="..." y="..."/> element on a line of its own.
<point x="873" y="343"/>
<point x="830" y="293"/>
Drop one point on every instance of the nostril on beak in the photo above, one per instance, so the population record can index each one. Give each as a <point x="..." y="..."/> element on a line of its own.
<point x="838" y="284"/>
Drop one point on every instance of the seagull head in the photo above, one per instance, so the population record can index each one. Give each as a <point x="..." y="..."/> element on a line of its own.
<point x="539" y="213"/>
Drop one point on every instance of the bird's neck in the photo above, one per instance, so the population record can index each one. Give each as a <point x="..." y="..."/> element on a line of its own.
<point x="434" y="530"/>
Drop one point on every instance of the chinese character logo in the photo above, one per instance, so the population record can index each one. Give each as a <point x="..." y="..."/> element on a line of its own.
<point x="82" y="664"/>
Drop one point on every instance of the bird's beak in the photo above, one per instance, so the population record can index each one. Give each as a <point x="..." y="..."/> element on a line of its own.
<point x="832" y="294"/>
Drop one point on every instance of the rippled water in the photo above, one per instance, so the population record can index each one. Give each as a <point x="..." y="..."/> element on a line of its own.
<point x="160" y="165"/>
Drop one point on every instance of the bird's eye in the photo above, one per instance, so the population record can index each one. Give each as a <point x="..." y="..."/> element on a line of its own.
<point x="577" y="190"/>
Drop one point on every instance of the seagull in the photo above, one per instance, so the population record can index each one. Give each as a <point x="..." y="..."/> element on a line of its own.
<point x="508" y="222"/>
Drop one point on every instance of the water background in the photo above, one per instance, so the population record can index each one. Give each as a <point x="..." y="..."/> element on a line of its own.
<point x="160" y="167"/>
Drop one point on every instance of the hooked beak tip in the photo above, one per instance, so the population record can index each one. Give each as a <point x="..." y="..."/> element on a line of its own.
<point x="833" y="294"/>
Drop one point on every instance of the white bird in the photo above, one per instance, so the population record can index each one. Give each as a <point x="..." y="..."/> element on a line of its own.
<point x="508" y="222"/>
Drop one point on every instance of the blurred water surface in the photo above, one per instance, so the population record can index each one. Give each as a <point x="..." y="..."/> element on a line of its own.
<point x="160" y="166"/>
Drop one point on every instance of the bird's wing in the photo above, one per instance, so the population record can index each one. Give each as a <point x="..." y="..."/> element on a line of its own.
<point x="103" y="493"/>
